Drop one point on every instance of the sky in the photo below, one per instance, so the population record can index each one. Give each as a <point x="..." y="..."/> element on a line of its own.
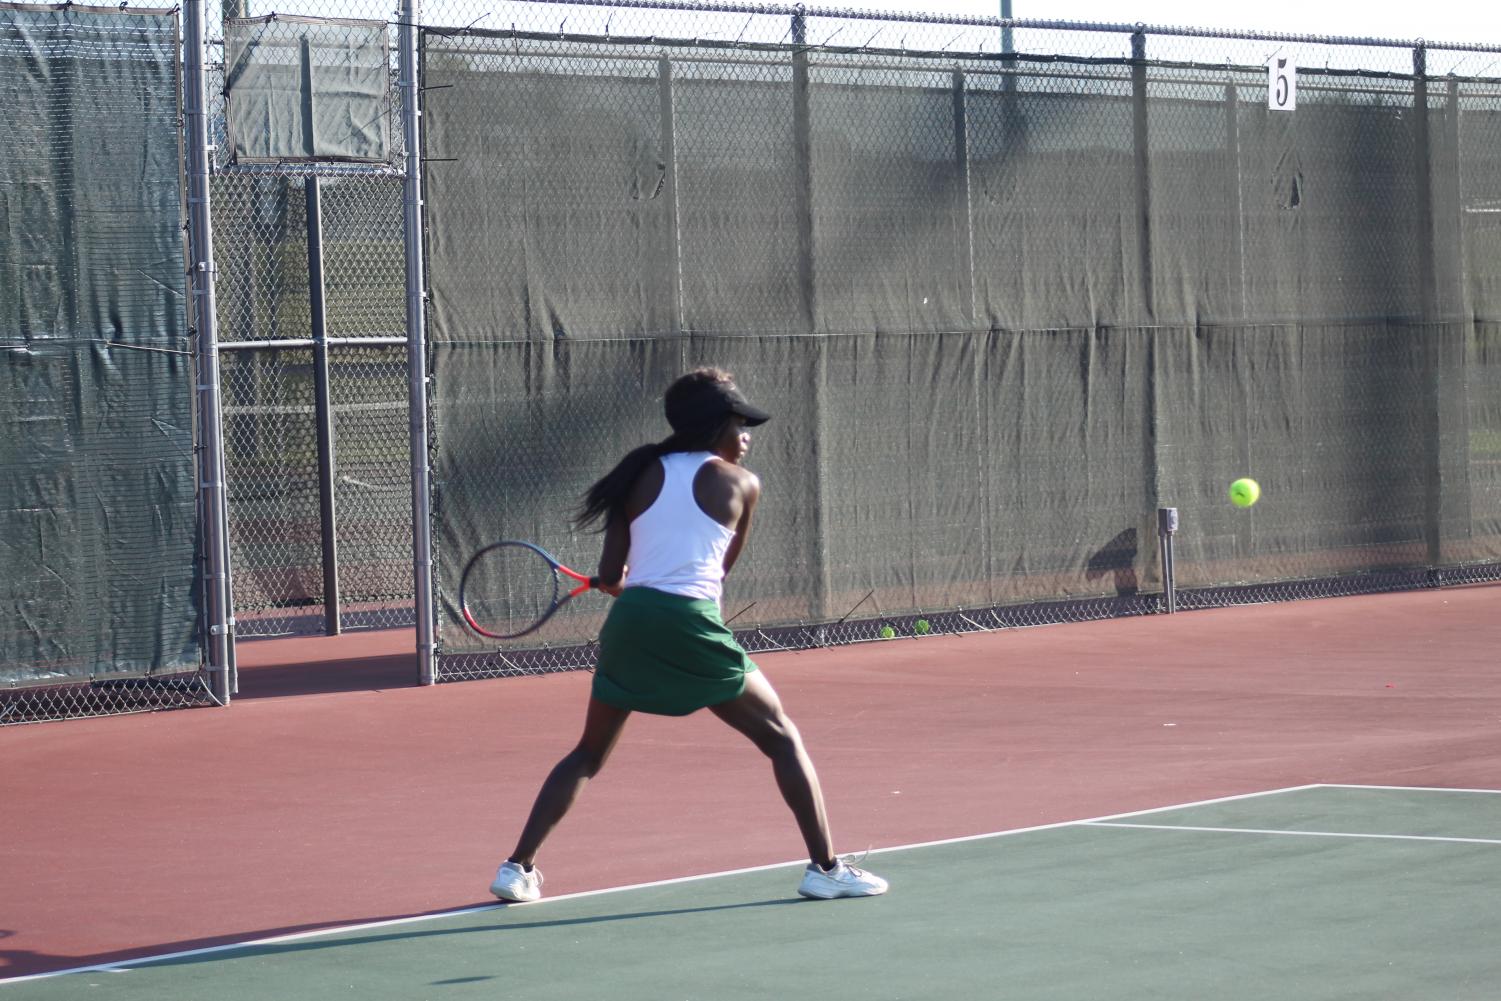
<point x="1432" y="20"/>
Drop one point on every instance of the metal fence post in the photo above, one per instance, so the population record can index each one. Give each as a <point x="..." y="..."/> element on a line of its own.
<point x="1432" y="317"/>
<point x="1147" y="308"/>
<point x="961" y="160"/>
<point x="323" y="409"/>
<point x="1454" y="293"/>
<point x="802" y="154"/>
<point x="1423" y="170"/>
<point x="1237" y="197"/>
<point x="422" y="540"/>
<point x="1167" y="527"/>
<point x="670" y="174"/>
<point x="802" y="159"/>
<point x="205" y="324"/>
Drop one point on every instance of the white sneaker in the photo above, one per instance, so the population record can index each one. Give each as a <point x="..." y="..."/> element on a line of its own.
<point x="844" y="880"/>
<point x="515" y="884"/>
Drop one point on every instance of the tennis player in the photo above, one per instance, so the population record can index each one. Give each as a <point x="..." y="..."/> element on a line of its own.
<point x="677" y="513"/>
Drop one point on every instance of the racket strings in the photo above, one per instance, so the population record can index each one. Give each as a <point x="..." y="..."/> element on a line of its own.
<point x="509" y="588"/>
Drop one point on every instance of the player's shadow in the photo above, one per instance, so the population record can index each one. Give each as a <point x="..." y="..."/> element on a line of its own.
<point x="20" y="962"/>
<point x="498" y="925"/>
<point x="1117" y="557"/>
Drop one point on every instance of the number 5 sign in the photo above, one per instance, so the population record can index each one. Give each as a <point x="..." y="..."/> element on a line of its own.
<point x="1281" y="85"/>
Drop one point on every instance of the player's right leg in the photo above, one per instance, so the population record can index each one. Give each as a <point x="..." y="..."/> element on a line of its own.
<point x="517" y="879"/>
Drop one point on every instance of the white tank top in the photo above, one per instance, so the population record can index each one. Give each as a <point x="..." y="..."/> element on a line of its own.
<point x="675" y="546"/>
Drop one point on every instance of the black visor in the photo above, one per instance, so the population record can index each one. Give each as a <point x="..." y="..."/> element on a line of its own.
<point x="709" y="404"/>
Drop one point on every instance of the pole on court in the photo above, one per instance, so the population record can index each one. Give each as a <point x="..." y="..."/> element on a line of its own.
<point x="1167" y="526"/>
<point x="322" y="406"/>
<point x="206" y="331"/>
<point x="411" y="205"/>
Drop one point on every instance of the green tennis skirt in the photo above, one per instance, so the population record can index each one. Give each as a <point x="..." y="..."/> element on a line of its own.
<point x="666" y="654"/>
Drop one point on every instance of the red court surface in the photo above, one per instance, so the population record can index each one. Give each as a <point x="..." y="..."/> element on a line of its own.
<point x="335" y="791"/>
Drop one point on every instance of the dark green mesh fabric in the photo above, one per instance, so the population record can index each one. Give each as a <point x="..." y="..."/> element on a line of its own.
<point x="97" y="516"/>
<point x="1000" y="317"/>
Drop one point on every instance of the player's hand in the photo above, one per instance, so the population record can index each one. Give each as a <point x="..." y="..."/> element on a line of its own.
<point x="613" y="590"/>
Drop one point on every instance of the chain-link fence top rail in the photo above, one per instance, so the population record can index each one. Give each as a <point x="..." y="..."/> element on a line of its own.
<point x="97" y="496"/>
<point x="1004" y="304"/>
<point x="832" y="28"/>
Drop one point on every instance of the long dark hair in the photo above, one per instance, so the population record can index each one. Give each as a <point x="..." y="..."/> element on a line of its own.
<point x="605" y="500"/>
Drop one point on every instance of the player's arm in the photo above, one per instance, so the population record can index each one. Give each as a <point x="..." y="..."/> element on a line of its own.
<point x="750" y="493"/>
<point x="617" y="547"/>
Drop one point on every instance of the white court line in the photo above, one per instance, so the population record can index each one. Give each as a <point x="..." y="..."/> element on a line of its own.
<point x="1340" y="785"/>
<point x="125" y="964"/>
<point x="1308" y="834"/>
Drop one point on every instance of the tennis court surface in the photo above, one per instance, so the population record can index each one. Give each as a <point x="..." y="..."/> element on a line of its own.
<point x="1313" y="892"/>
<point x="1282" y="801"/>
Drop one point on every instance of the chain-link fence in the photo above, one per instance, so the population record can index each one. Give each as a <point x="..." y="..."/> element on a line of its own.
<point x="312" y="323"/>
<point x="315" y="548"/>
<point x="101" y="590"/>
<point x="1008" y="290"/>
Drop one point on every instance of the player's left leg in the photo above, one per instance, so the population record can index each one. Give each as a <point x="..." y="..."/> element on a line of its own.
<point x="758" y="714"/>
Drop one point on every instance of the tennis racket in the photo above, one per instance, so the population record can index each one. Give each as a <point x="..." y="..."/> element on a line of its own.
<point x="511" y="588"/>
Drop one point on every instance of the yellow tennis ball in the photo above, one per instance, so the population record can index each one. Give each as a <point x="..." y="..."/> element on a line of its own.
<point x="1244" y="492"/>
<point x="887" y="632"/>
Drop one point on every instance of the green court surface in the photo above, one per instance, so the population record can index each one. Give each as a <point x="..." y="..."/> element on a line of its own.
<point x="1309" y="893"/>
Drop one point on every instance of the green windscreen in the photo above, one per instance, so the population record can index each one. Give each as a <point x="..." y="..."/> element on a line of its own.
<point x="1001" y="311"/>
<point x="97" y="498"/>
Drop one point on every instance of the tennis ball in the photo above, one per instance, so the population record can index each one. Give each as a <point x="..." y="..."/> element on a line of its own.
<point x="887" y="632"/>
<point x="1244" y="492"/>
<point x="921" y="627"/>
